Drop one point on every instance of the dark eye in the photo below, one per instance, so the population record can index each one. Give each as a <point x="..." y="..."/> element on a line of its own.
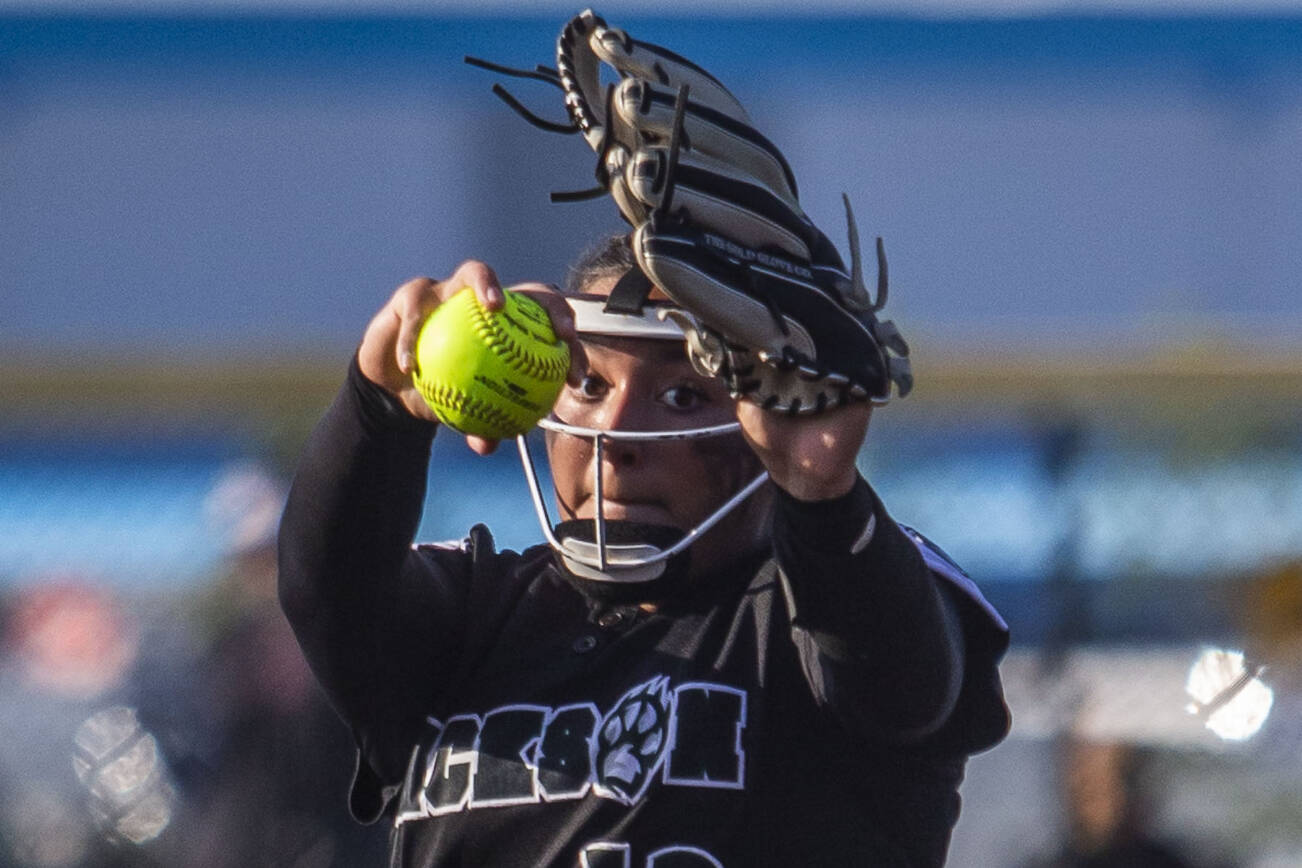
<point x="683" y="397"/>
<point x="592" y="387"/>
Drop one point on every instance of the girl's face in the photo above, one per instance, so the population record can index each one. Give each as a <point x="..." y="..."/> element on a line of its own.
<point x="639" y="384"/>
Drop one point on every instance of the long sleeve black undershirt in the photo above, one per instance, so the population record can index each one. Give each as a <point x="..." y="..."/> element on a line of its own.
<point x="347" y="582"/>
<point x="879" y="635"/>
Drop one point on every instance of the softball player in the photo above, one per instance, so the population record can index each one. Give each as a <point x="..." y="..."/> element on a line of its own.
<point x="724" y="653"/>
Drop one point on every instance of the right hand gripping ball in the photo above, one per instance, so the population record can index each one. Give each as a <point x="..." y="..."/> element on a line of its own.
<point x="492" y="374"/>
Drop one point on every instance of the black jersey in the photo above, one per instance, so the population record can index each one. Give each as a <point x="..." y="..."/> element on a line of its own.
<point x="773" y="715"/>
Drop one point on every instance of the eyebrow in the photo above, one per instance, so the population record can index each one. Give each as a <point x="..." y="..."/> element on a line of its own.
<point x="668" y="358"/>
<point x="668" y="351"/>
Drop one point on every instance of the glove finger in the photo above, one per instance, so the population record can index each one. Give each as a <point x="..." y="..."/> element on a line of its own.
<point x="649" y="110"/>
<point x="579" y="69"/>
<point x="714" y="196"/>
<point x="726" y="170"/>
<point x="644" y="60"/>
<point x="586" y="42"/>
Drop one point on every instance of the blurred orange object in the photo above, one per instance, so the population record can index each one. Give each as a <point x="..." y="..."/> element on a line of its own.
<point x="71" y="637"/>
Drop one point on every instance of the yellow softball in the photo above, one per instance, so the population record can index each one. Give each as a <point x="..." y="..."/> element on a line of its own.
<point x="493" y="374"/>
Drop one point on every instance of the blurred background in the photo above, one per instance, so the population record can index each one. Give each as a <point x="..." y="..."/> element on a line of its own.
<point x="1093" y="215"/>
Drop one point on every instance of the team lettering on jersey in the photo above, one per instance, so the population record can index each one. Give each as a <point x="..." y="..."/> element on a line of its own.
<point x="687" y="735"/>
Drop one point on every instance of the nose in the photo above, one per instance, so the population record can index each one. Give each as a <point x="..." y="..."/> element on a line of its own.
<point x="623" y="412"/>
<point x="620" y="455"/>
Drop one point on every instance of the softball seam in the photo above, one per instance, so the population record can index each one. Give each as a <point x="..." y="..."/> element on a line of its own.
<point x="547" y="369"/>
<point x="451" y="399"/>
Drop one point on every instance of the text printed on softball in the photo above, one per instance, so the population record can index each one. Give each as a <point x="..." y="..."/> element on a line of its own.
<point x="689" y="736"/>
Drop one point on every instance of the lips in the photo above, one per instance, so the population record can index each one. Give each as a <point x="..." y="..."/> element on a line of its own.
<point x="647" y="511"/>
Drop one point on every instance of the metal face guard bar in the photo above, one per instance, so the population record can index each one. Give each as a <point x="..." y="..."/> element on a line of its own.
<point x="598" y="437"/>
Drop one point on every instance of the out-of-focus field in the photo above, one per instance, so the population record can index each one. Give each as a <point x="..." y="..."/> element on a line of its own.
<point x="1204" y="393"/>
<point x="1169" y="380"/>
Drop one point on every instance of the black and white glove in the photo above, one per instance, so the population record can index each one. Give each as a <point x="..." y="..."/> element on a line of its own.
<point x="768" y="304"/>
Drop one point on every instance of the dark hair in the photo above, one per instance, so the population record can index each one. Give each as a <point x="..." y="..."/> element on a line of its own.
<point x="609" y="257"/>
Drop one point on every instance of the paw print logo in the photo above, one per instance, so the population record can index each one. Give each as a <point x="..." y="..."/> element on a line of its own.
<point x="630" y="743"/>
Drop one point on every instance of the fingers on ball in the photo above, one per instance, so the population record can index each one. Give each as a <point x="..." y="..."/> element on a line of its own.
<point x="482" y="279"/>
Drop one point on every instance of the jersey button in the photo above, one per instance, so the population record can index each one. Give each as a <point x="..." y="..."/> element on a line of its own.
<point x="612" y="619"/>
<point x="584" y="644"/>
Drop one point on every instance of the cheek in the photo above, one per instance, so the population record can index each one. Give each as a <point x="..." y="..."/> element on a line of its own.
<point x="712" y="470"/>
<point x="729" y="459"/>
<point x="567" y="459"/>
